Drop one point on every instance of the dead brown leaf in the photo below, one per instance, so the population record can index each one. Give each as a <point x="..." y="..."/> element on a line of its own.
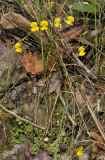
<point x="28" y="155"/>
<point x="12" y="20"/>
<point x="85" y="89"/>
<point x="54" y="82"/>
<point x="33" y="63"/>
<point x="59" y="9"/>
<point x="98" y="138"/>
<point x="42" y="155"/>
<point x="101" y="156"/>
<point x="95" y="151"/>
<point x="73" y="33"/>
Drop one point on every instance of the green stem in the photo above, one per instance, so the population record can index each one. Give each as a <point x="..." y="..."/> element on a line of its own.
<point x="57" y="142"/>
<point x="26" y="36"/>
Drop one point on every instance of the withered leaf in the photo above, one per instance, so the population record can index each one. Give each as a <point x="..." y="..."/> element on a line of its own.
<point x="95" y="151"/>
<point x="12" y="20"/>
<point x="54" y="82"/>
<point x="42" y="155"/>
<point x="73" y="33"/>
<point x="98" y="138"/>
<point x="33" y="63"/>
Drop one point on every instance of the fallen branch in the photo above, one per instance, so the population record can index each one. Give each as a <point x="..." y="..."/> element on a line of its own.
<point x="22" y="119"/>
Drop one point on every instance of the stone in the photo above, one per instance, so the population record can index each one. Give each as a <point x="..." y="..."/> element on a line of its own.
<point x="17" y="153"/>
<point x="11" y="68"/>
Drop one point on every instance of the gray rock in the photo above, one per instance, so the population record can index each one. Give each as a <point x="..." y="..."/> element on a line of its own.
<point x="17" y="153"/>
<point x="11" y="67"/>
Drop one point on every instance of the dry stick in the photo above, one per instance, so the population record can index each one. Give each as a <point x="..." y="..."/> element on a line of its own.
<point x="78" y="61"/>
<point x="93" y="115"/>
<point x="52" y="111"/>
<point x="63" y="102"/>
<point x="22" y="119"/>
<point x="91" y="140"/>
<point x="96" y="121"/>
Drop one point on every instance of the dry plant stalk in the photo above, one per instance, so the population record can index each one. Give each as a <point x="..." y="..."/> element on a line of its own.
<point x="64" y="104"/>
<point x="78" y="61"/>
<point x="22" y="119"/>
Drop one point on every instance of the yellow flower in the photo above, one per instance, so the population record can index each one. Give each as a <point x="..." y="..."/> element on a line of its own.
<point x="34" y="26"/>
<point x="17" y="46"/>
<point x="57" y="23"/>
<point x="57" y="20"/>
<point x="79" y="151"/>
<point x="81" y="51"/>
<point x="18" y="50"/>
<point x="44" y="25"/>
<point x="70" y="20"/>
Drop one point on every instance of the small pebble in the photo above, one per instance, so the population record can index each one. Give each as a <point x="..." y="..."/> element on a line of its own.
<point x="35" y="89"/>
<point x="46" y="139"/>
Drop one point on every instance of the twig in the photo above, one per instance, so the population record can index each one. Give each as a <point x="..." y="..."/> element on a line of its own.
<point x="63" y="102"/>
<point x="52" y="110"/>
<point x="78" y="61"/>
<point x="96" y="121"/>
<point x="91" y="140"/>
<point x="22" y="119"/>
<point x="92" y="114"/>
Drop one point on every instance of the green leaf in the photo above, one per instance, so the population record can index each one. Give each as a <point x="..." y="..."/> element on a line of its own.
<point x="80" y="6"/>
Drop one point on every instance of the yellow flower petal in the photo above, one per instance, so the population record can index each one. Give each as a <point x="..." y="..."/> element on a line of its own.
<point x="57" y="20"/>
<point x="70" y="18"/>
<point x="68" y="22"/>
<point x="44" y="23"/>
<point x="82" y="53"/>
<point x="35" y="29"/>
<point x="80" y="148"/>
<point x="81" y="49"/>
<point x="57" y="24"/>
<point x="60" y="26"/>
<point x="79" y="153"/>
<point x="43" y="28"/>
<point x="34" y="24"/>
<point x="17" y="45"/>
<point x="18" y="50"/>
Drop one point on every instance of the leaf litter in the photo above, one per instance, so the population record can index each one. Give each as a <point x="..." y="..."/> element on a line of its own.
<point x="34" y="64"/>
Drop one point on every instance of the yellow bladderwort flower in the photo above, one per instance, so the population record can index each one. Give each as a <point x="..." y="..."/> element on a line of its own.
<point x="44" y="25"/>
<point x="70" y="20"/>
<point x="17" y="48"/>
<point x="81" y="48"/>
<point x="81" y="51"/>
<point x="57" y="23"/>
<point x="57" y="20"/>
<point x="17" y="45"/>
<point x="80" y="151"/>
<point x="34" y="26"/>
